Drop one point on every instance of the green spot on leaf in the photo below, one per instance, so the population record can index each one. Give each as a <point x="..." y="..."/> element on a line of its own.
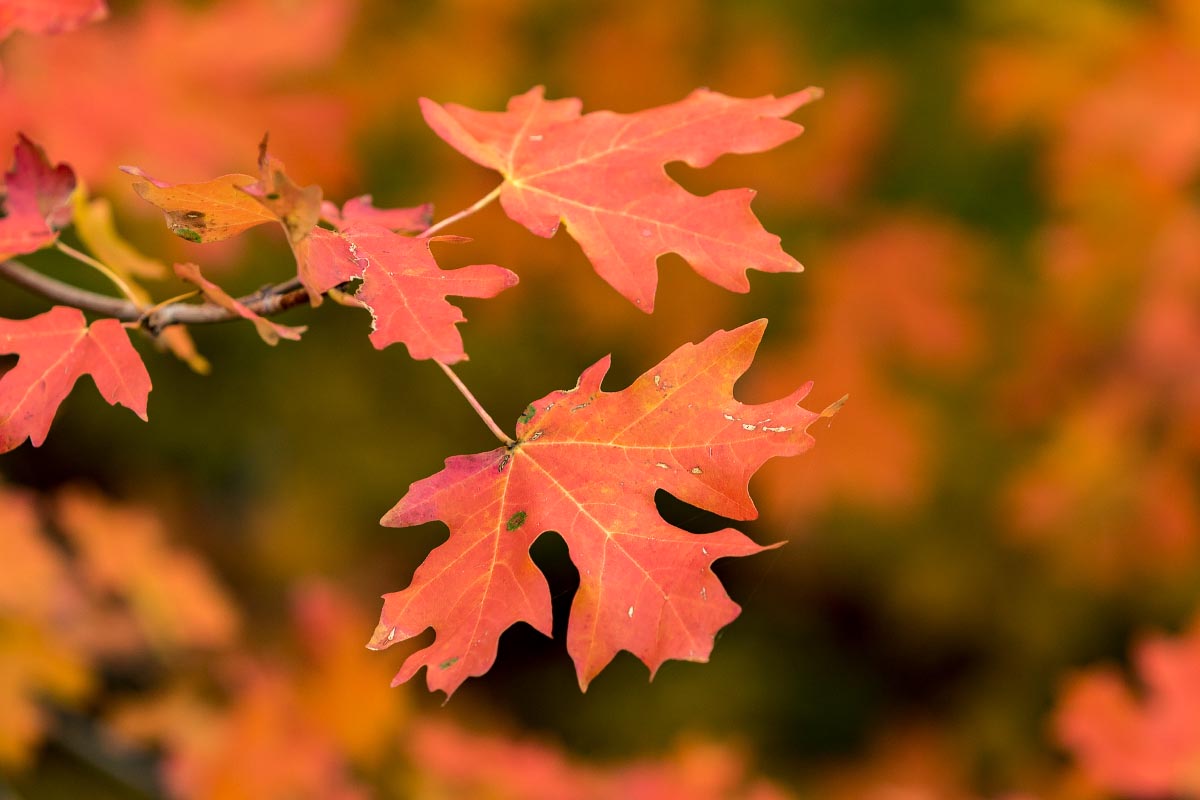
<point x="528" y="415"/>
<point x="516" y="521"/>
<point x="273" y="195"/>
<point x="448" y="663"/>
<point x="187" y="233"/>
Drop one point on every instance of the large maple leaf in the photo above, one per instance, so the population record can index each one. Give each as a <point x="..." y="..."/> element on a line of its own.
<point x="55" y="349"/>
<point x="586" y="463"/>
<point x="602" y="175"/>
<point x="35" y="200"/>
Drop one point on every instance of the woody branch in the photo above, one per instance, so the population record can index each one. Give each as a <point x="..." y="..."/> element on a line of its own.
<point x="265" y="302"/>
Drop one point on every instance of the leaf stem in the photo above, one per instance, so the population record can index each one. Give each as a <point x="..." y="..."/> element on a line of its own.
<point x="466" y="212"/>
<point x="117" y="280"/>
<point x="483" y="414"/>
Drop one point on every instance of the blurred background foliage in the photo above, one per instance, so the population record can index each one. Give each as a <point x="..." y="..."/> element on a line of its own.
<point x="997" y="204"/>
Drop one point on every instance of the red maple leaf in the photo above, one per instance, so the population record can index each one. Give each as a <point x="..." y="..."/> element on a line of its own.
<point x="405" y="290"/>
<point x="48" y="16"/>
<point x="602" y="174"/>
<point x="55" y="349"/>
<point x="587" y="463"/>
<point x="36" y="200"/>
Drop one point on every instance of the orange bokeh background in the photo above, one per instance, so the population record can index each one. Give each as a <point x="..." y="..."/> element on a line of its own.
<point x="994" y="539"/>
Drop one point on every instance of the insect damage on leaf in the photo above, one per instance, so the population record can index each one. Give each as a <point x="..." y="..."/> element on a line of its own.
<point x="592" y="477"/>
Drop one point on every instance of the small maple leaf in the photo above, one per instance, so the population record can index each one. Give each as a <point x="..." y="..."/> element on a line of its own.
<point x="55" y="349"/>
<point x="203" y="212"/>
<point x="586" y="463"/>
<point x="271" y="332"/>
<point x="405" y="290"/>
<point x="48" y="16"/>
<point x="602" y="174"/>
<point x="35" y="201"/>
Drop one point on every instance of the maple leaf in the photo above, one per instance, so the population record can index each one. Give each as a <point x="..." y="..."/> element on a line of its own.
<point x="55" y="349"/>
<point x="203" y="212"/>
<point x="587" y="463"/>
<point x="405" y="290"/>
<point x="35" y="200"/>
<point x="48" y="16"/>
<point x="271" y="332"/>
<point x="602" y="174"/>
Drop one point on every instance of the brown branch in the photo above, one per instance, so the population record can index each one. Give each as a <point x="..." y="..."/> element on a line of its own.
<point x="266" y="302"/>
<point x="68" y="295"/>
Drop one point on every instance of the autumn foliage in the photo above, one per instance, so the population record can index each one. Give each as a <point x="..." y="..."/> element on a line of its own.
<point x="979" y="583"/>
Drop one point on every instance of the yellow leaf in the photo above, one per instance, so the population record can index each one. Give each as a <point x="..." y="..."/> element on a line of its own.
<point x="94" y="223"/>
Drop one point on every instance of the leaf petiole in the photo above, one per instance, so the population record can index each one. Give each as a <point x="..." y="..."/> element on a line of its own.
<point x="107" y="272"/>
<point x="466" y="212"/>
<point x="475" y="404"/>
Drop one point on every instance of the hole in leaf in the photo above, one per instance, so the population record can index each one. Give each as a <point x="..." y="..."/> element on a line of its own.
<point x="7" y="363"/>
<point x="688" y="517"/>
<point x="551" y="556"/>
<point x="529" y="661"/>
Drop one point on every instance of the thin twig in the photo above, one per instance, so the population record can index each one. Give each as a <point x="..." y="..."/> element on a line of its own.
<point x="104" y="270"/>
<point x="266" y="302"/>
<point x="484" y="415"/>
<point x="466" y="212"/>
